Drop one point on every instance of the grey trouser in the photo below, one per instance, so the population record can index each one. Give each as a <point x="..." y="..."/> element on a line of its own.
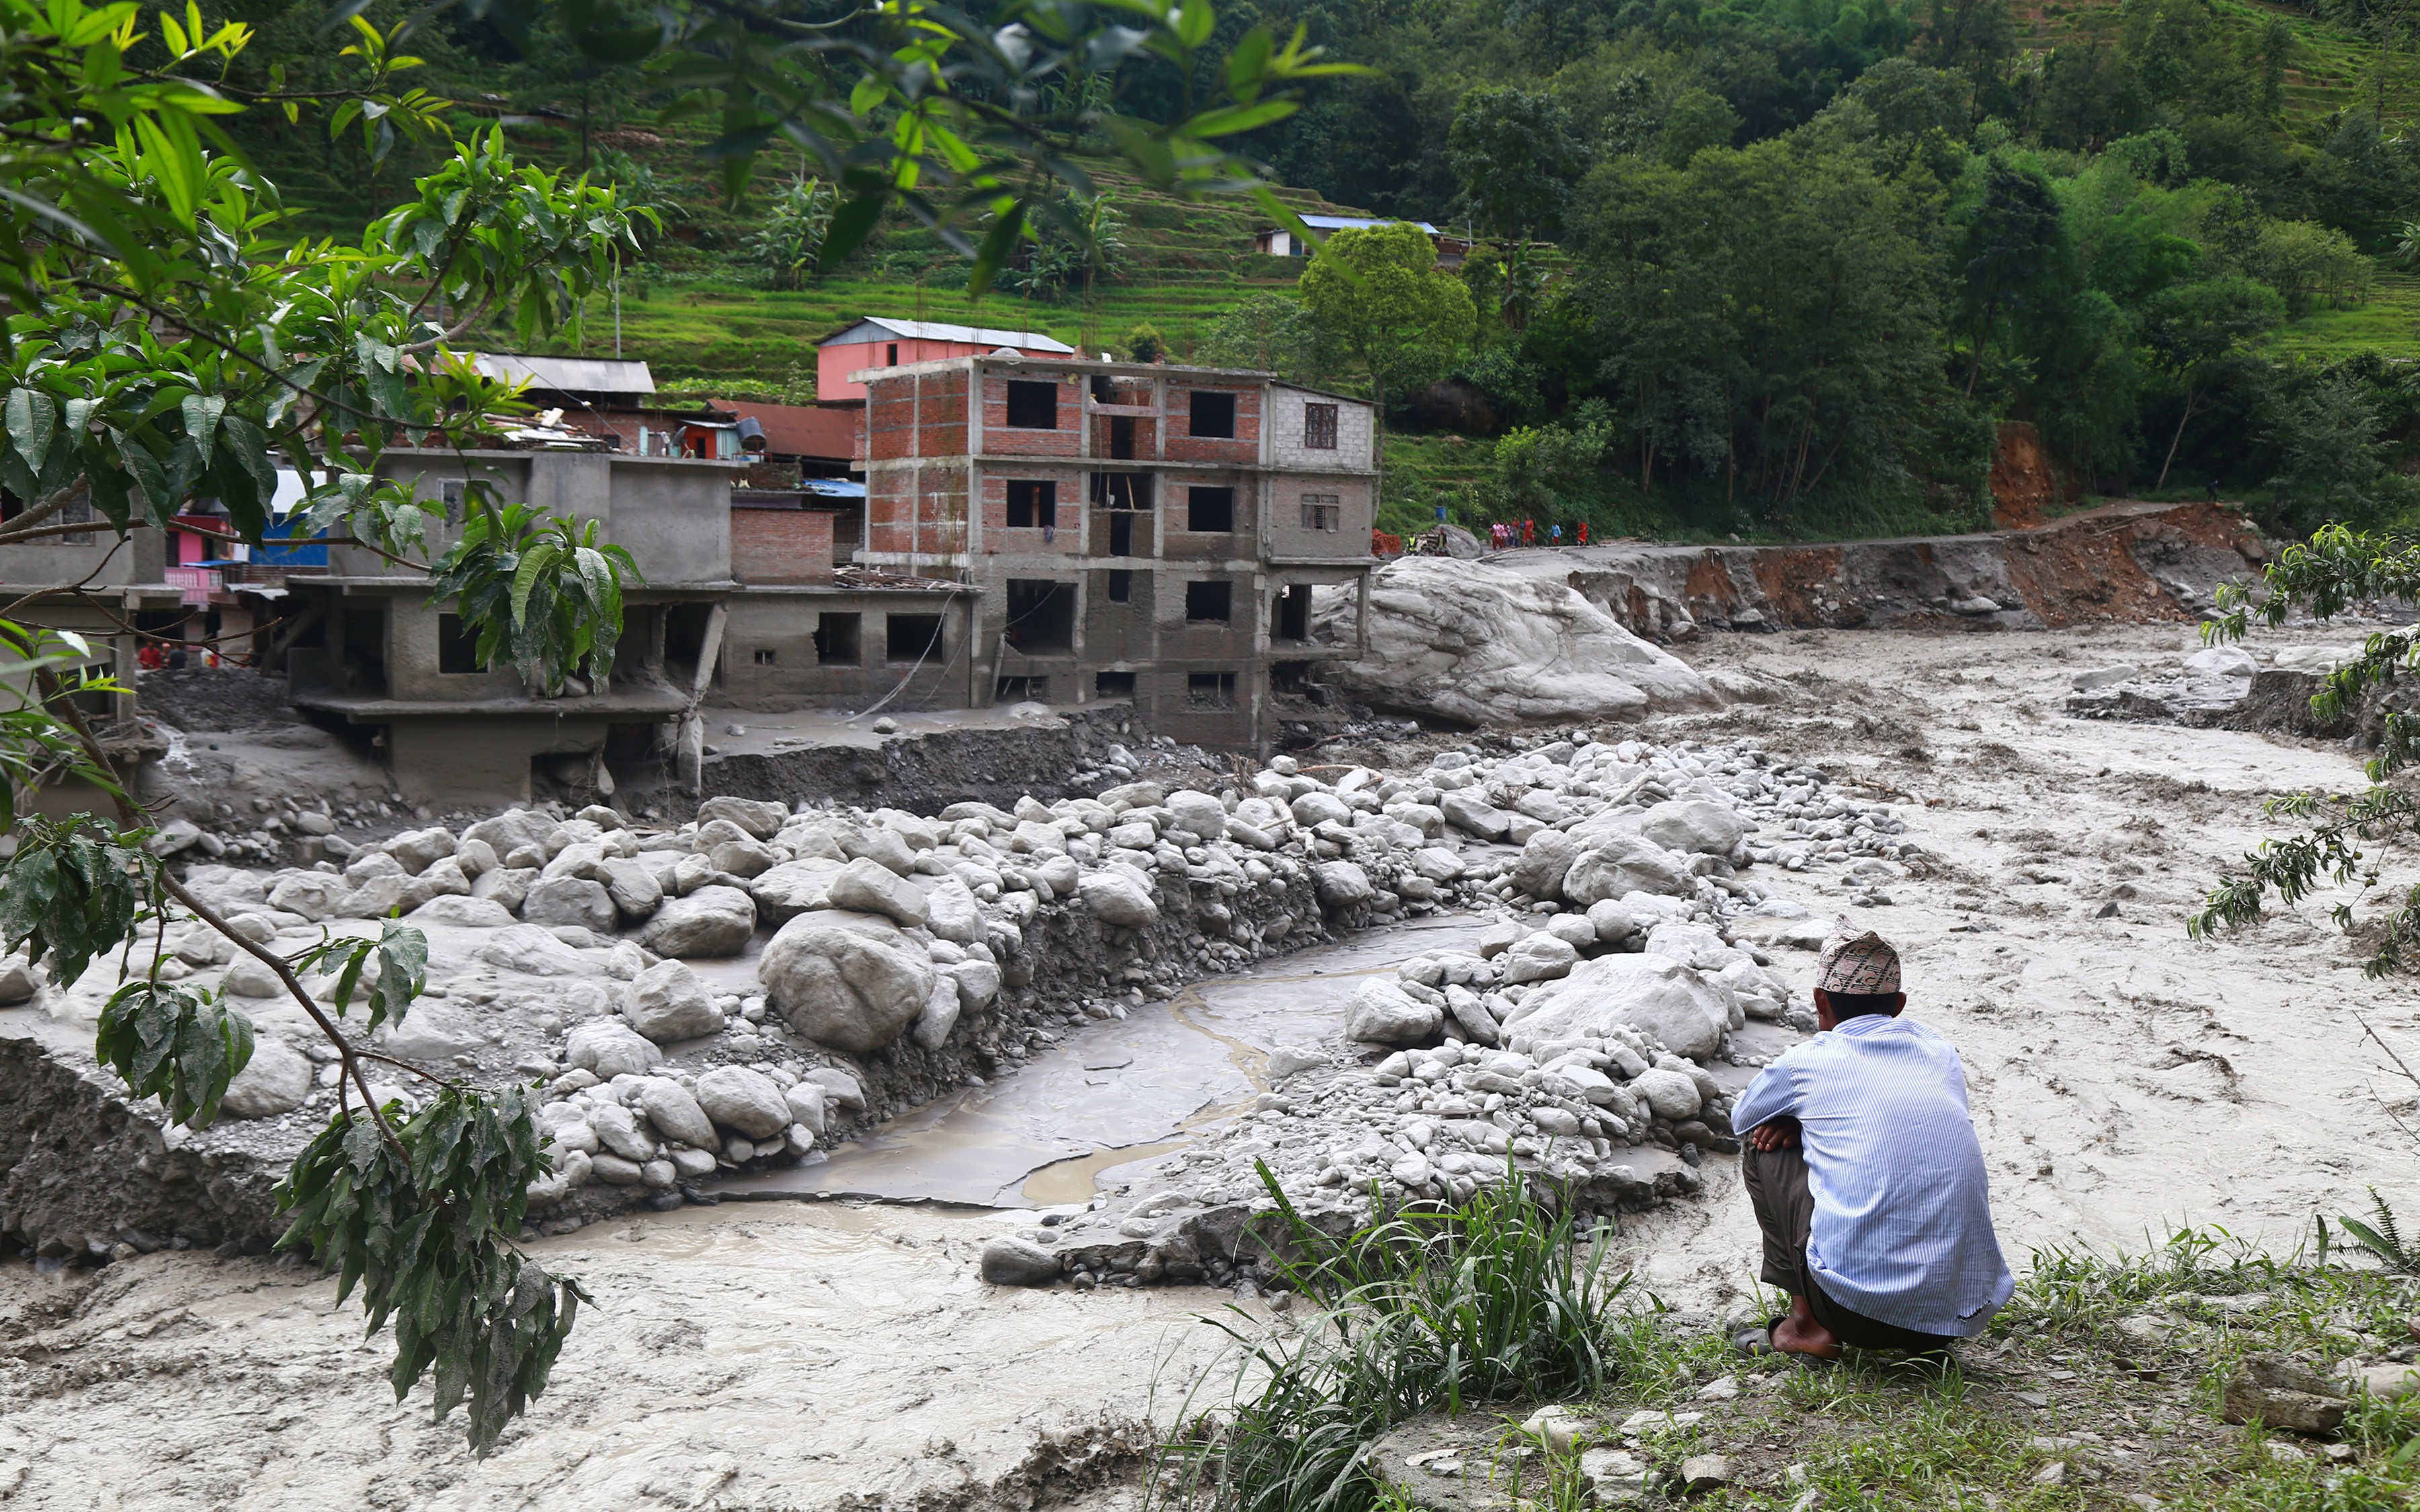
<point x="1785" y="1213"/>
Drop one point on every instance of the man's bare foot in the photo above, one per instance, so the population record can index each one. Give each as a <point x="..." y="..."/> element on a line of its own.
<point x="1798" y="1333"/>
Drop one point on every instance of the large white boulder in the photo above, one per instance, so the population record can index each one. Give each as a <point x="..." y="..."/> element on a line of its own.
<point x="850" y="980"/>
<point x="868" y="886"/>
<point x="712" y="921"/>
<point x="1544" y="859"/>
<point x="1540" y="957"/>
<point x="785" y="891"/>
<point x="1688" y="825"/>
<point x="634" y="888"/>
<point x="1384" y="1013"/>
<point x="952" y="913"/>
<point x="761" y="819"/>
<point x="570" y="900"/>
<point x="610" y="1048"/>
<point x="1490" y="646"/>
<point x="674" y="1112"/>
<point x="275" y="1080"/>
<point x="463" y="913"/>
<point x="1197" y="815"/>
<point x="1654" y="993"/>
<point x="1614" y="863"/>
<point x="738" y="1098"/>
<point x="1118" y="895"/>
<point x="1343" y="885"/>
<point x="667" y="1002"/>
<point x="527" y="948"/>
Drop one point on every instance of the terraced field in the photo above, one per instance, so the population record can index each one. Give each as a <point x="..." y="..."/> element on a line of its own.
<point x="2331" y="65"/>
<point x="1187" y="264"/>
<point x="2388" y="321"/>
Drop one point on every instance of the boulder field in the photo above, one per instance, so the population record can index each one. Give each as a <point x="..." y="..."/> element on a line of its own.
<point x="757" y="985"/>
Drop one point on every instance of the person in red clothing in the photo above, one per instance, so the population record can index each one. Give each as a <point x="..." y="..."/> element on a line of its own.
<point x="1583" y="532"/>
<point x="1529" y="532"/>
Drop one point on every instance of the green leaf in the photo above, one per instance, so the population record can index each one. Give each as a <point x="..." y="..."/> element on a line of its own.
<point x="1194" y="22"/>
<point x="174" y="1043"/>
<point x="72" y="891"/>
<point x="33" y="420"/>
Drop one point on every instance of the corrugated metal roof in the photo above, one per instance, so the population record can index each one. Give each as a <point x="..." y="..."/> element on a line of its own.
<point x="879" y="327"/>
<point x="570" y="375"/>
<point x="1348" y="223"/>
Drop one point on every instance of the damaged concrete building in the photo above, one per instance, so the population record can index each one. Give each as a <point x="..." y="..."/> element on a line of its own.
<point x="1035" y="529"/>
<point x="1132" y="531"/>
<point x="760" y="628"/>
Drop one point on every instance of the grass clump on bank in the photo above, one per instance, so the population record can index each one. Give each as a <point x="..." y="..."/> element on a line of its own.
<point x="1448" y="1311"/>
<point x="2102" y="1384"/>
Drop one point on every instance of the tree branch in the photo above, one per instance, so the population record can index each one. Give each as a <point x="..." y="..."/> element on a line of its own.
<point x="51" y="505"/>
<point x="415" y="349"/>
<point x="129" y="816"/>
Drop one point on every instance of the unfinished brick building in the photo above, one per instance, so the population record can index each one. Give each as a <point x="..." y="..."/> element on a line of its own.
<point x="1134" y="530"/>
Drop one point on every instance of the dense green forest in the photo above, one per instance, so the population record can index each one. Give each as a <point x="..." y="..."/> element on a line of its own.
<point x="1749" y="266"/>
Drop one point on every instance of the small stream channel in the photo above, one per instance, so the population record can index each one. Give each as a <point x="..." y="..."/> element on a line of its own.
<point x="1114" y="1094"/>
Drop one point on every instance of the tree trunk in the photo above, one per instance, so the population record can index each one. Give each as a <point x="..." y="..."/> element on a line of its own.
<point x="2170" y="459"/>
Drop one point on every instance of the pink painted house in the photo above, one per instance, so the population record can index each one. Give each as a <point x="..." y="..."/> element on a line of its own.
<point x="886" y="342"/>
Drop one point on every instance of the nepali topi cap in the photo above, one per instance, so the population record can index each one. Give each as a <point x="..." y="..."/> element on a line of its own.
<point x="1856" y="961"/>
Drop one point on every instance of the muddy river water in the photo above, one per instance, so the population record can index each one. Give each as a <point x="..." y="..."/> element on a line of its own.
<point x="1116" y="1094"/>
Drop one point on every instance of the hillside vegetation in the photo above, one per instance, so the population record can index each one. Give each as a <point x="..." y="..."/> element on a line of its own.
<point x="1755" y="268"/>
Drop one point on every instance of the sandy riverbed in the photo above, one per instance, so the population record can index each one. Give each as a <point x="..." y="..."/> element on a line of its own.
<point x="2126" y="1080"/>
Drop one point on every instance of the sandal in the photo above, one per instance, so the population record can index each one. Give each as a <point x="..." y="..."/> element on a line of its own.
<point x="1755" y="1342"/>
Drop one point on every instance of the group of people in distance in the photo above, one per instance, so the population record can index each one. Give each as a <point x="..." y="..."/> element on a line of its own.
<point x="1505" y="534"/>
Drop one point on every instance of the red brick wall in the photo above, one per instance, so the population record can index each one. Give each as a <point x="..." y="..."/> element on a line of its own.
<point x="782" y="545"/>
<point x="1246" y="447"/>
<point x="999" y="439"/>
<point x="998" y="536"/>
<point x="915" y="509"/>
<point x="1146" y="432"/>
<point x="896" y="421"/>
<point x="890" y="507"/>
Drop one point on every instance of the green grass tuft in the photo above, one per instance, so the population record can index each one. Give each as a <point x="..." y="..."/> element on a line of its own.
<point x="1418" y="1311"/>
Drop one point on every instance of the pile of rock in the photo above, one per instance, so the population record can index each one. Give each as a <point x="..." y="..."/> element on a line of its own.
<point x="2235" y="687"/>
<point x="1573" y="1042"/>
<point x="759" y="984"/>
<point x="1608" y="818"/>
<point x="2202" y="689"/>
<point x="907" y="955"/>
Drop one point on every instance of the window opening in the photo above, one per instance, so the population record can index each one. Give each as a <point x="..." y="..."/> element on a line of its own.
<point x="1213" y="600"/>
<point x="1033" y="405"/>
<point x="1032" y="504"/>
<point x="1214" y="414"/>
<point x="1041" y="615"/>
<point x="836" y="640"/>
<point x="1212" y="690"/>
<point x="457" y="648"/>
<point x="1210" y="511"/>
<point x="913" y="638"/>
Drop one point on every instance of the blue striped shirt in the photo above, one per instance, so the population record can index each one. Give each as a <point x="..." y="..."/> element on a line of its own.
<point x="1902" y="1231"/>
